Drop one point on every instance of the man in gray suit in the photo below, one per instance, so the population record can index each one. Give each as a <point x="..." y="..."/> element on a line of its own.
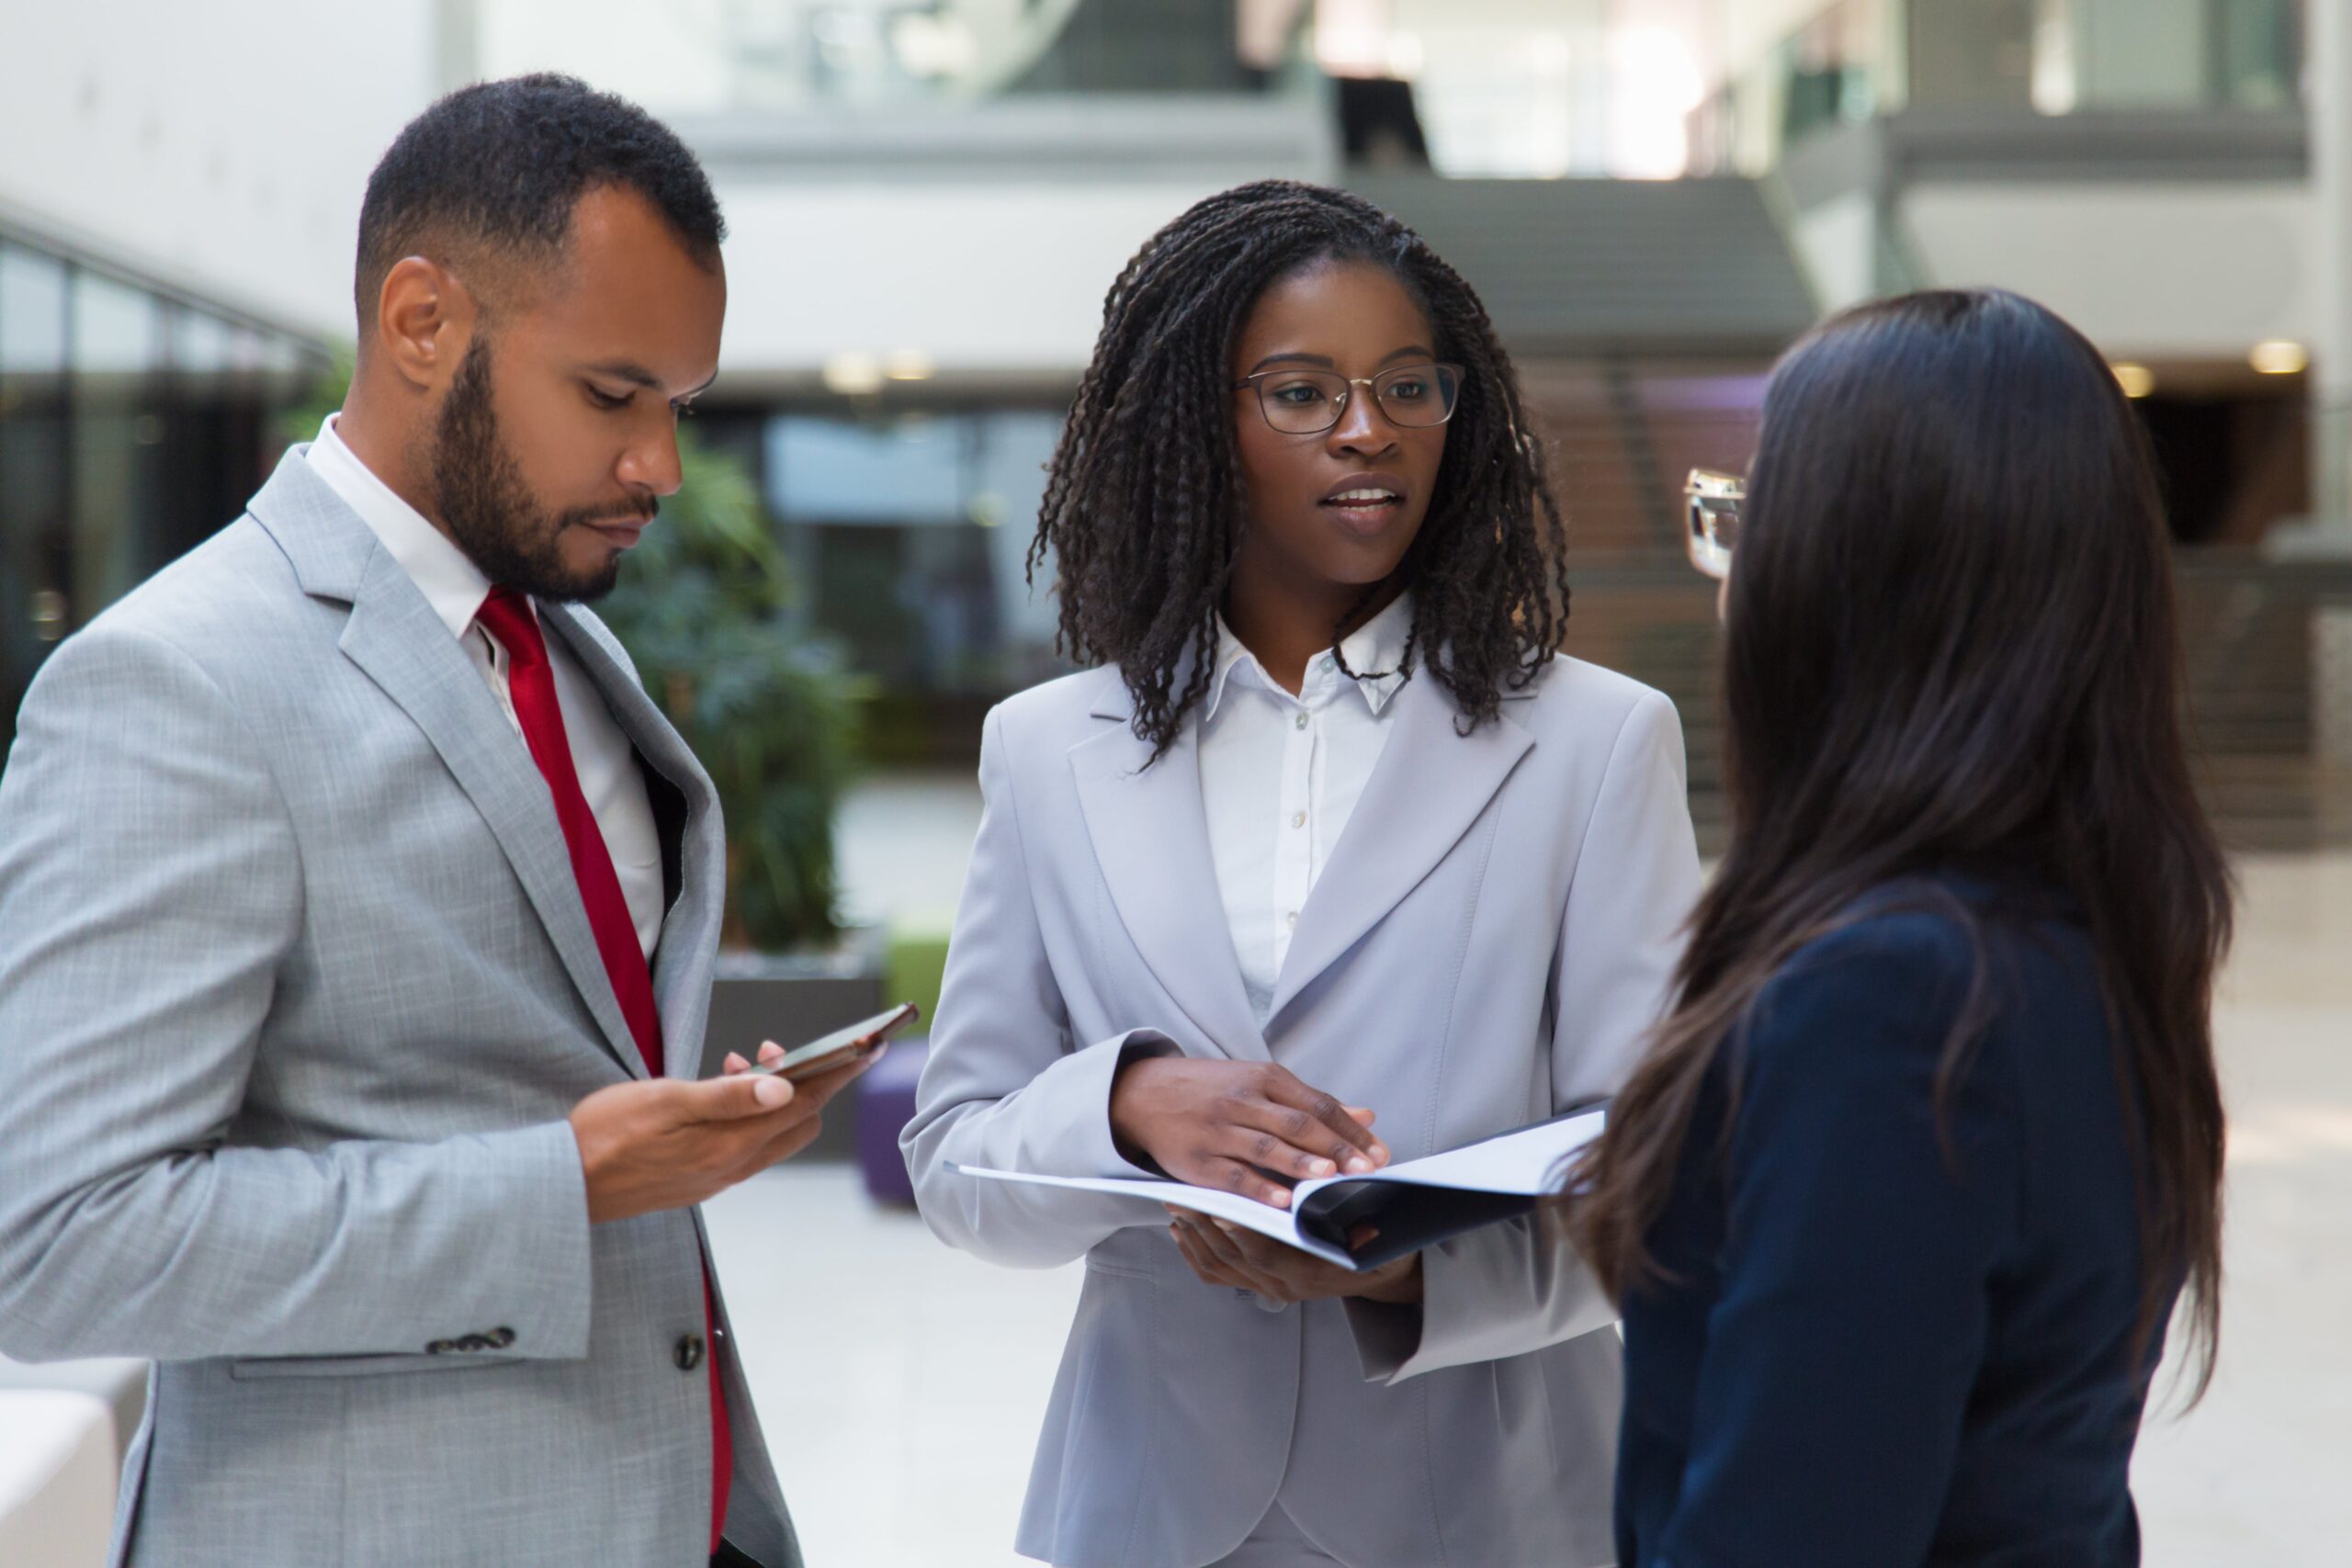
<point x="356" y="917"/>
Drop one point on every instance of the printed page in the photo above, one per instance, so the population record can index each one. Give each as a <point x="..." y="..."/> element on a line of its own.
<point x="1526" y="1162"/>
<point x="1247" y="1211"/>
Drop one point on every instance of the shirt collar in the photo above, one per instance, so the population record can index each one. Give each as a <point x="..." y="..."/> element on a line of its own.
<point x="1374" y="650"/>
<point x="447" y="576"/>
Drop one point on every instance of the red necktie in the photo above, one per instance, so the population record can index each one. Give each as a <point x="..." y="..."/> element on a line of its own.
<point x="530" y="685"/>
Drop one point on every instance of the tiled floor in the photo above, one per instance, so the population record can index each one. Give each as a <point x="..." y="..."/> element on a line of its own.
<point x="902" y="1384"/>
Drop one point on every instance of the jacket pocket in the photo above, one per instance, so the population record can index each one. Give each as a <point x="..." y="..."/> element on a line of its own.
<point x="250" y="1367"/>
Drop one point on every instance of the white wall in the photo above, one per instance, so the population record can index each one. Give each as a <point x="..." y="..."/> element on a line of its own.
<point x="1837" y="241"/>
<point x="995" y="276"/>
<point x="2152" y="271"/>
<point x="221" y="145"/>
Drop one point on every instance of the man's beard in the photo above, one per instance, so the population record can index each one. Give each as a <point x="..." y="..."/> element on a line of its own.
<point x="478" y="490"/>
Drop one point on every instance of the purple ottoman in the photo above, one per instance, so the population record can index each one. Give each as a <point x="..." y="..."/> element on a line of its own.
<point x="886" y="1103"/>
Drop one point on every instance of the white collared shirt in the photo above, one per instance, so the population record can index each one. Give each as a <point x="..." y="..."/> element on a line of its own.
<point x="456" y="589"/>
<point x="1281" y="776"/>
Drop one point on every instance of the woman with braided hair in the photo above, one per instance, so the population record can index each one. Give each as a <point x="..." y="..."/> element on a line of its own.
<point x="1330" y="859"/>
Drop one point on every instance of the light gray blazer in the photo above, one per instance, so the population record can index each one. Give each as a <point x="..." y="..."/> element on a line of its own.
<point x="1490" y="942"/>
<point x="295" y="991"/>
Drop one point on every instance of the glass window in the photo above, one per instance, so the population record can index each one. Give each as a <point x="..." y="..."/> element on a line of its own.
<point x="35" y="538"/>
<point x="32" y="311"/>
<point x="200" y="341"/>
<point x="1009" y="488"/>
<point x="117" y="330"/>
<point x="829" y="470"/>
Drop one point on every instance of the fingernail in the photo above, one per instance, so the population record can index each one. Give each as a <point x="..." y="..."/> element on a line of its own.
<point x="1380" y="1152"/>
<point x="1318" y="1168"/>
<point x="771" y="1092"/>
<point x="1358" y="1165"/>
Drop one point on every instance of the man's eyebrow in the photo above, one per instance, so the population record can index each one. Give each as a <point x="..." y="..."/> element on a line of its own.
<point x="1411" y="351"/>
<point x="638" y="375"/>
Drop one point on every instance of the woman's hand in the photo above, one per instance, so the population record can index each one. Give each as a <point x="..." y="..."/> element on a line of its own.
<point x="1247" y="1127"/>
<point x="1226" y="1254"/>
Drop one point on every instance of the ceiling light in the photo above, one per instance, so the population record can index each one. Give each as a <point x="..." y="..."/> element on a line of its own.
<point x="907" y="364"/>
<point x="2279" y="357"/>
<point x="854" y="374"/>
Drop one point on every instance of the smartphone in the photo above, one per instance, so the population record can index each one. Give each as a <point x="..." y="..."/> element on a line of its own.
<point x="842" y="1047"/>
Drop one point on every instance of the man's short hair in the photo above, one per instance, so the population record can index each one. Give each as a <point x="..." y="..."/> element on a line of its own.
<point x="492" y="171"/>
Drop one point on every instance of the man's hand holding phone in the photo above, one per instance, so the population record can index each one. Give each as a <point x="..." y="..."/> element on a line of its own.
<point x="663" y="1143"/>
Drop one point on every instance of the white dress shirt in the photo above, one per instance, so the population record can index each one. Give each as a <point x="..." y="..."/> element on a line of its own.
<point x="456" y="588"/>
<point x="1281" y="776"/>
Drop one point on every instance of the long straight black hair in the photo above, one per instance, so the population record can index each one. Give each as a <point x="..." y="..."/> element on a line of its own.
<point x="1949" y="643"/>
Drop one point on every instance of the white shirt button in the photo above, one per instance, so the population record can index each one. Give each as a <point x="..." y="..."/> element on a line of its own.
<point x="1298" y="818"/>
<point x="1291" y="918"/>
<point x="1299" y="723"/>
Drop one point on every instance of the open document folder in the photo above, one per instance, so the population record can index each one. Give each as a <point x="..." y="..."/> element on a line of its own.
<point x="1412" y="1205"/>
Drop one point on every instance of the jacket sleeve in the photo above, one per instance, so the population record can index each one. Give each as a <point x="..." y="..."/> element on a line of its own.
<point x="1005" y="1088"/>
<point x="150" y="896"/>
<point x="1864" y="1229"/>
<point x="1518" y="1286"/>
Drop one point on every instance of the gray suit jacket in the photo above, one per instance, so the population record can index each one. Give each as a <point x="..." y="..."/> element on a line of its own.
<point x="295" y="991"/>
<point x="1491" y="940"/>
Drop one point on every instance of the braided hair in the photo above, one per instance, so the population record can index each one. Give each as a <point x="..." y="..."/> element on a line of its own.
<point x="1144" y="498"/>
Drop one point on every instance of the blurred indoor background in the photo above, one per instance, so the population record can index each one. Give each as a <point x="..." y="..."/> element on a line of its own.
<point x="927" y="200"/>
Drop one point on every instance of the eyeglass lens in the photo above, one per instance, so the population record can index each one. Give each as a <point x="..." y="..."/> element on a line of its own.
<point x="1713" y="513"/>
<point x="1305" y="402"/>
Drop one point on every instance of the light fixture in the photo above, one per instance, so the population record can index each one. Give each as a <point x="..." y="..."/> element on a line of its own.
<point x="907" y="364"/>
<point x="2137" y="380"/>
<point x="2279" y="357"/>
<point x="853" y="373"/>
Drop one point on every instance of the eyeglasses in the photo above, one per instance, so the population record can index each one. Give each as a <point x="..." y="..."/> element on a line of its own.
<point x="1712" y="511"/>
<point x="1308" y="402"/>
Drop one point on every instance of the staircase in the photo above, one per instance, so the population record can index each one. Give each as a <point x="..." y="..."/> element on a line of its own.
<point x="2245" y="630"/>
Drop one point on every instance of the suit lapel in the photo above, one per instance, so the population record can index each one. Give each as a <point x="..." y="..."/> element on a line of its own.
<point x="405" y="648"/>
<point x="691" y="928"/>
<point x="1150" y="836"/>
<point x="1428" y="787"/>
<point x="395" y="638"/>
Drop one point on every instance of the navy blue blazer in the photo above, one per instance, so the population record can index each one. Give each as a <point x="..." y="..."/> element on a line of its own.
<point x="1879" y="1347"/>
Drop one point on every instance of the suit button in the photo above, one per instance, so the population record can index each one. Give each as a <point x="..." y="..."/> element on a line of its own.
<point x="501" y="1337"/>
<point x="440" y="1347"/>
<point x="473" y="1342"/>
<point x="688" y="1354"/>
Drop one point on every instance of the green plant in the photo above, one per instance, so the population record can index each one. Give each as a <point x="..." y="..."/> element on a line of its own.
<point x="704" y="607"/>
<point x="914" y="969"/>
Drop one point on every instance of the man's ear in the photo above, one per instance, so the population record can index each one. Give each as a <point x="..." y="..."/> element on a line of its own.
<point x="425" y="318"/>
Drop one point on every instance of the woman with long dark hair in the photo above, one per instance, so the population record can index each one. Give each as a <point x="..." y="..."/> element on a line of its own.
<point x="1900" y="1199"/>
<point x="1330" y="859"/>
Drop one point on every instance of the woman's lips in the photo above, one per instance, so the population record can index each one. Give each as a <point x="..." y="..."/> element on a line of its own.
<point x="1364" y="511"/>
